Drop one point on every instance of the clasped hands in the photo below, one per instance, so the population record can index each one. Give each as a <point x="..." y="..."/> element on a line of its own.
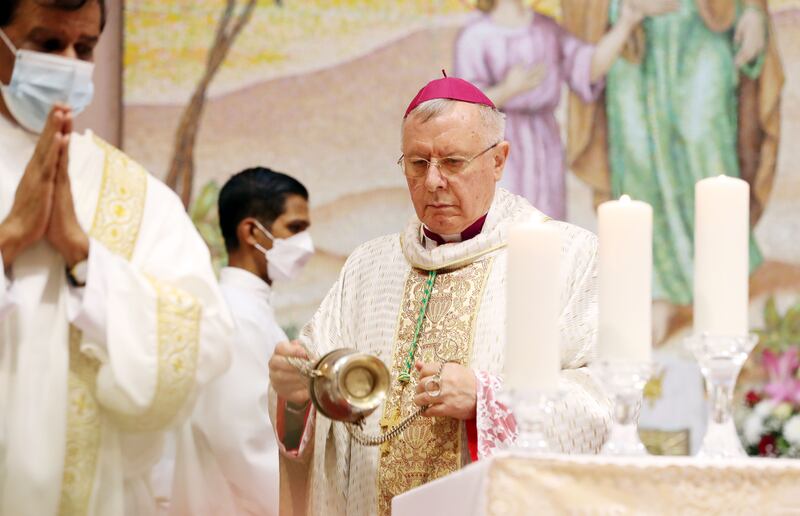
<point x="43" y="206"/>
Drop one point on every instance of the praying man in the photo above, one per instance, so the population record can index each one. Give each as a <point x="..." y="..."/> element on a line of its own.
<point x="110" y="315"/>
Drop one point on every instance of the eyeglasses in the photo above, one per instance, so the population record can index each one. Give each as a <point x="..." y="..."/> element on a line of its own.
<point x="416" y="168"/>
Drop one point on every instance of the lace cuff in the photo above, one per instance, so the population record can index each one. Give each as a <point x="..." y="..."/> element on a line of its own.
<point x="496" y="426"/>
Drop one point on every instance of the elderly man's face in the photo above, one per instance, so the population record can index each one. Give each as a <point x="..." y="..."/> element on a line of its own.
<point x="448" y="205"/>
<point x="51" y="30"/>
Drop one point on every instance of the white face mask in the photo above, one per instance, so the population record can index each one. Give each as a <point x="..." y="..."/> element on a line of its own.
<point x="288" y="256"/>
<point x="40" y="80"/>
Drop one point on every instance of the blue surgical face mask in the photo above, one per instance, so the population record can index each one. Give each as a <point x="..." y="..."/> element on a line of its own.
<point x="40" y="80"/>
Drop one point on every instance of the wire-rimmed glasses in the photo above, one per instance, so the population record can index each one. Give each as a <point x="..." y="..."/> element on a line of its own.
<point x="416" y="167"/>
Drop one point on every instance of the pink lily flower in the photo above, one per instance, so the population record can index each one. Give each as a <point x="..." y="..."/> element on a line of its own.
<point x="783" y="385"/>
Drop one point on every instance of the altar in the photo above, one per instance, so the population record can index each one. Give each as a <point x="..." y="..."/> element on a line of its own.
<point x="561" y="484"/>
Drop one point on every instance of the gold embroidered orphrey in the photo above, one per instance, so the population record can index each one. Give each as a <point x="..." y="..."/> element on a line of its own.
<point x="431" y="447"/>
<point x="117" y="220"/>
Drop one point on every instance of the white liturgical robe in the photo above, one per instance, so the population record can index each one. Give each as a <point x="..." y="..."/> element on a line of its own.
<point x="375" y="306"/>
<point x="91" y="378"/>
<point x="233" y="441"/>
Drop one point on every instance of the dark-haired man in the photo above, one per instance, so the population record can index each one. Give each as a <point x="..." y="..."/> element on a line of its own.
<point x="110" y="316"/>
<point x="264" y="219"/>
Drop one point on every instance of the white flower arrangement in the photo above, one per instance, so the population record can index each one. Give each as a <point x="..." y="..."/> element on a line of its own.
<point x="791" y="430"/>
<point x="771" y="428"/>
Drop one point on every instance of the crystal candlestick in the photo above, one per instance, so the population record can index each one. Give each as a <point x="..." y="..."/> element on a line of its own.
<point x="532" y="409"/>
<point x="721" y="358"/>
<point x="624" y="381"/>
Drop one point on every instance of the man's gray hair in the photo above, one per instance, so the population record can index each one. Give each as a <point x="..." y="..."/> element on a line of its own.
<point x="493" y="120"/>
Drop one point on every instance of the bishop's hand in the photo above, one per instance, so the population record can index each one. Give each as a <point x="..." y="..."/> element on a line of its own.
<point x="449" y="389"/>
<point x="30" y="214"/>
<point x="286" y="379"/>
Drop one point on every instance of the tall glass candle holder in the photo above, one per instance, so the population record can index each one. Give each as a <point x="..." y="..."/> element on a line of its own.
<point x="532" y="409"/>
<point x="624" y="381"/>
<point x="721" y="358"/>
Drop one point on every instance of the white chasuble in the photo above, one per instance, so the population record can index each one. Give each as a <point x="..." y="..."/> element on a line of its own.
<point x="373" y="307"/>
<point x="91" y="378"/>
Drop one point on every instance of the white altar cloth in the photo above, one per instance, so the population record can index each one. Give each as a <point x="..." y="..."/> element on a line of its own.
<point x="561" y="484"/>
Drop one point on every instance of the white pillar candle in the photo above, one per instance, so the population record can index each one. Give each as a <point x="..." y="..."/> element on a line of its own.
<point x="533" y="301"/>
<point x="721" y="256"/>
<point x="625" y="231"/>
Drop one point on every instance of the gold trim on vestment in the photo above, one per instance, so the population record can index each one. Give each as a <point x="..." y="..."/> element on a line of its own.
<point x="120" y="206"/>
<point x="179" y="316"/>
<point x="83" y="431"/>
<point x="117" y="219"/>
<point x="430" y="447"/>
